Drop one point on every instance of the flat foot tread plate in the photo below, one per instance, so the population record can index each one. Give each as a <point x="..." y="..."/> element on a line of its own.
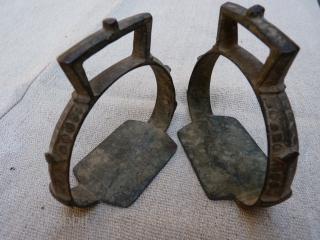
<point x="119" y="169"/>
<point x="227" y="161"/>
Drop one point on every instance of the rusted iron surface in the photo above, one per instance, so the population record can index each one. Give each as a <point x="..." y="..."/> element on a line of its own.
<point x="227" y="161"/>
<point x="122" y="166"/>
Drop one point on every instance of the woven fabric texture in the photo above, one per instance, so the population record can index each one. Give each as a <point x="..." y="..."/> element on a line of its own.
<point x="34" y="92"/>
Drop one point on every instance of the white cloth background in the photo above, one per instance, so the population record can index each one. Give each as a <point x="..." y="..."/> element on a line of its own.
<point x="34" y="92"/>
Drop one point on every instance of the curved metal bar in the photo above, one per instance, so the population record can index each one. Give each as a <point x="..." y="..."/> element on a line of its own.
<point x="267" y="83"/>
<point x="87" y="93"/>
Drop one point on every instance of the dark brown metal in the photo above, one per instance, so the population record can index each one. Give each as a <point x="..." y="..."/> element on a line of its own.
<point x="227" y="161"/>
<point x="122" y="166"/>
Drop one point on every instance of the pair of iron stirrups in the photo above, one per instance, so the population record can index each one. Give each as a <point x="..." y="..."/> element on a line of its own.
<point x="227" y="161"/>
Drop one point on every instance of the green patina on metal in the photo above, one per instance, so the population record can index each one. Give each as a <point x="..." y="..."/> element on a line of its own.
<point x="226" y="159"/>
<point x="122" y="166"/>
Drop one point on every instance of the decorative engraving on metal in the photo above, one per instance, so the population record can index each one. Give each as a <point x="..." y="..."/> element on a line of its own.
<point x="227" y="161"/>
<point x="119" y="169"/>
